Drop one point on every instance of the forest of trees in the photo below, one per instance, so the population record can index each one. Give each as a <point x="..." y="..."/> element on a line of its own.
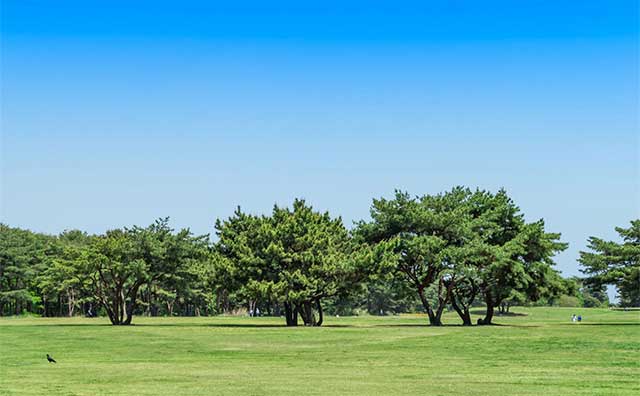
<point x="457" y="250"/>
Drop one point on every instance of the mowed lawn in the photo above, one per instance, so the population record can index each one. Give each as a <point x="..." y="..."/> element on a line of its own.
<point x="538" y="352"/>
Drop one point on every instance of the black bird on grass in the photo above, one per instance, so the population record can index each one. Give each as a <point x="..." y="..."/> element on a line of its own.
<point x="50" y="359"/>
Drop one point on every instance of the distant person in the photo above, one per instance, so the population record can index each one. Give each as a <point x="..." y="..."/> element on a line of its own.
<point x="579" y="318"/>
<point x="257" y="311"/>
<point x="573" y="318"/>
<point x="251" y="312"/>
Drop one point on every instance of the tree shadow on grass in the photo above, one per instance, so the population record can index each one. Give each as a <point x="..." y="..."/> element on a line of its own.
<point x="231" y="325"/>
<point x="70" y="325"/>
<point x="330" y="326"/>
<point x="602" y="324"/>
<point x="239" y="325"/>
<point x="497" y="315"/>
<point x="283" y="325"/>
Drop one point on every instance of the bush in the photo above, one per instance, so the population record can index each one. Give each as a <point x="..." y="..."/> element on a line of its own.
<point x="568" y="301"/>
<point x="591" y="302"/>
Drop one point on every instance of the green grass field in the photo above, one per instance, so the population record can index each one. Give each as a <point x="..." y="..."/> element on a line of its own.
<point x="538" y="352"/>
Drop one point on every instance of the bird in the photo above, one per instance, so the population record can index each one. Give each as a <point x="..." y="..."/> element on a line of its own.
<point x="50" y="359"/>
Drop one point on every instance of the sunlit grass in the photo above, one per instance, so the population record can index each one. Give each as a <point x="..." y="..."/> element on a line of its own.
<point x="539" y="352"/>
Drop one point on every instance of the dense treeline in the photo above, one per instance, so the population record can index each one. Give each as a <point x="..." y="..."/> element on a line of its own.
<point x="450" y="251"/>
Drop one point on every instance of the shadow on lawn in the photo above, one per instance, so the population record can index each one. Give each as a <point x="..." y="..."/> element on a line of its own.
<point x="75" y="325"/>
<point x="231" y="325"/>
<point x="260" y="325"/>
<point x="421" y="324"/>
<point x="338" y="326"/>
<point x="602" y="324"/>
<point x="497" y="315"/>
<point x="239" y="325"/>
<point x="331" y="326"/>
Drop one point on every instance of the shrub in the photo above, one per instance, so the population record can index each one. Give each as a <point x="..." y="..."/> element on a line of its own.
<point x="568" y="301"/>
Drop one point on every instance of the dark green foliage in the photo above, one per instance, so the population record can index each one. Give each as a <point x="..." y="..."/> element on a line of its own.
<point x="22" y="255"/>
<point x="295" y="257"/>
<point x="614" y="263"/>
<point x="463" y="244"/>
<point x="513" y="259"/>
<point x="120" y="262"/>
<point x="450" y="251"/>
<point x="421" y="233"/>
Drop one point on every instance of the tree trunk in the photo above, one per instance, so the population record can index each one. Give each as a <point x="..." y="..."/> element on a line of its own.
<point x="490" y="310"/>
<point x="463" y="312"/>
<point x="170" y="308"/>
<point x="489" y="316"/>
<point x="466" y="318"/>
<point x="291" y="314"/>
<point x="131" y="305"/>
<point x="438" y="314"/>
<point x="320" y="316"/>
<point x="434" y="317"/>
<point x="70" y="303"/>
<point x="308" y="317"/>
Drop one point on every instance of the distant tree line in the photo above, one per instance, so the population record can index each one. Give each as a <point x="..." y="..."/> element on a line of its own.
<point x="451" y="251"/>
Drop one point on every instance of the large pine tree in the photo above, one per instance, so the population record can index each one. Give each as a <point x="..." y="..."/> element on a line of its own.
<point x="615" y="263"/>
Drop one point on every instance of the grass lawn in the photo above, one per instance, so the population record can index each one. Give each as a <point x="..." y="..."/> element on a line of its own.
<point x="537" y="353"/>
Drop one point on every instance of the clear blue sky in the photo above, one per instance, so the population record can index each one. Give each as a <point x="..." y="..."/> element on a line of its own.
<point x="115" y="114"/>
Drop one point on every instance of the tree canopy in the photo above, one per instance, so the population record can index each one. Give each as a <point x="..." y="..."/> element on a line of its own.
<point x="454" y="250"/>
<point x="462" y="243"/>
<point x="616" y="263"/>
<point x="296" y="256"/>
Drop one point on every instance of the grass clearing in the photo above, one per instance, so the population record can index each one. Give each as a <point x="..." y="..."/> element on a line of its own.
<point x="540" y="352"/>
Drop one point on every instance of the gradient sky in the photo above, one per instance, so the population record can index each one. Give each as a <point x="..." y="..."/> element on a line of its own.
<point x="115" y="114"/>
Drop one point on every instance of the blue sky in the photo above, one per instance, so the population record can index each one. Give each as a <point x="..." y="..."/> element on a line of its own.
<point x="115" y="114"/>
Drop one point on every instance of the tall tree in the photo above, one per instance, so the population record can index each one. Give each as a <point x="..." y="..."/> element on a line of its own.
<point x="242" y="268"/>
<point x="57" y="281"/>
<point x="513" y="258"/>
<point x="296" y="256"/>
<point x="616" y="263"/>
<point x="117" y="264"/>
<point x="312" y="252"/>
<point x="22" y="257"/>
<point x="421" y="232"/>
<point x="464" y="244"/>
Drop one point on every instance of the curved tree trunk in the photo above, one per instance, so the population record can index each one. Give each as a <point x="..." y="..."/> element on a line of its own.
<point x="308" y="315"/>
<point x="434" y="316"/>
<point x="462" y="302"/>
<point x="320" y="316"/>
<point x="463" y="312"/>
<point x="490" y="310"/>
<point x="489" y="315"/>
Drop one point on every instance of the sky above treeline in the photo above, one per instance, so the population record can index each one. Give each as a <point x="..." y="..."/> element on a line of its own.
<point x="116" y="113"/>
